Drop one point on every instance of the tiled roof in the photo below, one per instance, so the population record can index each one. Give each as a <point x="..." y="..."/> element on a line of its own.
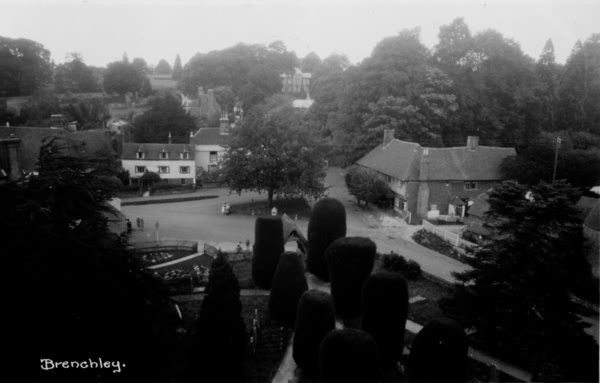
<point x="402" y="160"/>
<point x="480" y="205"/>
<point x="151" y="151"/>
<point x="211" y="136"/>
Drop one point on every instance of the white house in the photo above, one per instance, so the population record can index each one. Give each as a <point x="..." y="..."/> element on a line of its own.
<point x="210" y="144"/>
<point x="175" y="163"/>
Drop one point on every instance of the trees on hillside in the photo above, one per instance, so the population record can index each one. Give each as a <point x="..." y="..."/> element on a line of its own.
<point x="24" y="66"/>
<point x="122" y="77"/>
<point x="74" y="76"/>
<point x="163" y="67"/>
<point x="517" y="294"/>
<point x="177" y="68"/>
<point x="166" y="115"/>
<point x="269" y="154"/>
<point x="365" y="184"/>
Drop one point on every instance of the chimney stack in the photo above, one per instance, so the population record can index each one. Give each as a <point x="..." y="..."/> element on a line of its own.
<point x="388" y="136"/>
<point x="472" y="142"/>
<point x="192" y="138"/>
<point x="224" y="124"/>
<point x="169" y="137"/>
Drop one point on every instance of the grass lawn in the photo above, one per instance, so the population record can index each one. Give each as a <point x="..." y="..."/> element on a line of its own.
<point x="291" y="207"/>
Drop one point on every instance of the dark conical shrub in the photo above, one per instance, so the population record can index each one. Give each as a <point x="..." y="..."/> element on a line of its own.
<point x="268" y="246"/>
<point x="327" y="223"/>
<point x="439" y="353"/>
<point x="315" y="318"/>
<point x="350" y="261"/>
<point x="219" y="343"/>
<point x="289" y="283"/>
<point x="347" y="356"/>
<point x="384" y="311"/>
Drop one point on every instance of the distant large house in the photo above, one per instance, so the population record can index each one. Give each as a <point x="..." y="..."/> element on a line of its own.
<point x="430" y="181"/>
<point x="204" y="105"/>
<point x="295" y="83"/>
<point x="161" y="81"/>
<point x="210" y="144"/>
<point x="173" y="162"/>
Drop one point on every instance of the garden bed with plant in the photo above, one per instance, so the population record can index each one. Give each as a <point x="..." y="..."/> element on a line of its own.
<point x="153" y="258"/>
<point x="437" y="244"/>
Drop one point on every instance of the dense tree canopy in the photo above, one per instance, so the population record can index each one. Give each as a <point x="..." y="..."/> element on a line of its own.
<point x="166" y="115"/>
<point x="177" y="68"/>
<point x="163" y="67"/>
<point x="268" y="153"/>
<point x="122" y="77"/>
<point x="365" y="184"/>
<point x="24" y="66"/>
<point x="74" y="76"/>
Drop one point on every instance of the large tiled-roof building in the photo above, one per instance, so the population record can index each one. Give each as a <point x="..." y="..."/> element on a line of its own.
<point x="210" y="145"/>
<point x="429" y="181"/>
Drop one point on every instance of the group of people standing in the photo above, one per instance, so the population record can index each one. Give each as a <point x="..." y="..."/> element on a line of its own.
<point x="138" y="221"/>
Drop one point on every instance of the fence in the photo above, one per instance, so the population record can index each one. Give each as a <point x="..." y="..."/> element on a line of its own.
<point x="447" y="236"/>
<point x="169" y="244"/>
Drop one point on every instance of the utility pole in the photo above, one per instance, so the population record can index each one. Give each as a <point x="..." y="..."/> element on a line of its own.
<point x="555" y="159"/>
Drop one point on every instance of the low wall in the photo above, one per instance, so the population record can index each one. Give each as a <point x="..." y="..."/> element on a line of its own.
<point x="165" y="245"/>
<point x="150" y="201"/>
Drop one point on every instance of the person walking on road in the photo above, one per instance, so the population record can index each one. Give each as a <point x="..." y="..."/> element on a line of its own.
<point x="137" y="222"/>
<point x="142" y="223"/>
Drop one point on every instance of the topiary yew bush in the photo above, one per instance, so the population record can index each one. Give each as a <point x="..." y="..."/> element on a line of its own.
<point x="384" y="311"/>
<point x="350" y="261"/>
<point x="348" y="356"/>
<point x="327" y="223"/>
<point x="268" y="247"/>
<point x="315" y="318"/>
<point x="289" y="283"/>
<point x="439" y="353"/>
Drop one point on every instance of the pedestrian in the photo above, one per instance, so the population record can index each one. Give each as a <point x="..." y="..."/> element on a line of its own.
<point x="223" y="209"/>
<point x="128" y="222"/>
<point x="137" y="222"/>
<point x="248" y="244"/>
<point x="142" y="223"/>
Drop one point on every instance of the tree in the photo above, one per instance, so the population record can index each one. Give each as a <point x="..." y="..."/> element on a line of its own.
<point x="39" y="107"/>
<point x="517" y="294"/>
<point x="267" y="249"/>
<point x="365" y="184"/>
<point x="140" y="65"/>
<point x="163" y="67"/>
<point x="439" y="353"/>
<point x="348" y="355"/>
<point x="74" y="76"/>
<point x="350" y="261"/>
<point x="267" y="153"/>
<point x="166" y="115"/>
<point x="326" y="224"/>
<point x="221" y="337"/>
<point x="547" y="73"/>
<point x="177" y="68"/>
<point x="225" y="97"/>
<point x="289" y="283"/>
<point x="315" y="318"/>
<point x="384" y="312"/>
<point x="122" y="77"/>
<point x="25" y="66"/>
<point x="55" y="231"/>
<point x="310" y="62"/>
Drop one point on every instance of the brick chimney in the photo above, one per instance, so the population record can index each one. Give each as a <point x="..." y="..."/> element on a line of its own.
<point x="224" y="124"/>
<point x="169" y="137"/>
<point x="388" y="136"/>
<point x="192" y="141"/>
<point x="472" y="142"/>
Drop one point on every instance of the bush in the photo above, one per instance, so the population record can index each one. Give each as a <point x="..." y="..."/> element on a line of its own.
<point x="268" y="246"/>
<point x="315" y="318"/>
<point x="350" y="261"/>
<point x="384" y="311"/>
<point x="289" y="283"/>
<point x="165" y="186"/>
<point x="348" y="356"/>
<point x="327" y="223"/>
<point x="413" y="270"/>
<point x="439" y="353"/>
<point x="396" y="263"/>
<point x="130" y="188"/>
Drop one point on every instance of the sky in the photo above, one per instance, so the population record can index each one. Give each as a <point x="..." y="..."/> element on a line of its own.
<point x="102" y="30"/>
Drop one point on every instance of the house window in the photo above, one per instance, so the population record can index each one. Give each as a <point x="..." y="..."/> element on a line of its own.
<point x="184" y="169"/>
<point x="470" y="185"/>
<point x="163" y="169"/>
<point x="212" y="168"/>
<point x="140" y="155"/>
<point x="183" y="181"/>
<point x="163" y="155"/>
<point x="140" y="169"/>
<point x="213" y="157"/>
<point x="185" y="156"/>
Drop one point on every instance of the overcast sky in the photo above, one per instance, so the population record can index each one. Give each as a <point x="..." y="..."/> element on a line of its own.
<point x="101" y="30"/>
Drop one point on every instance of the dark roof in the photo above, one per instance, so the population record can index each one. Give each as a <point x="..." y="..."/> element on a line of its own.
<point x="152" y="150"/>
<point x="593" y="218"/>
<point x="94" y="142"/>
<point x="211" y="136"/>
<point x="480" y="205"/>
<point x="402" y="160"/>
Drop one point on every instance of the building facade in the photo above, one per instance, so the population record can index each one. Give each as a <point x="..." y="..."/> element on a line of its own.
<point x="295" y="83"/>
<point x="210" y="145"/>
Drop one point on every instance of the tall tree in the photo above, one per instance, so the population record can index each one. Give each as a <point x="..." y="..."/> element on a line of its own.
<point x="163" y="67"/>
<point x="547" y="73"/>
<point x="166" y="115"/>
<point x="177" y="68"/>
<point x="310" y="62"/>
<point x="24" y="66"/>
<point x="270" y="154"/>
<point x="74" y="76"/>
<point x="517" y="294"/>
<point x="122" y="77"/>
<point x="140" y="65"/>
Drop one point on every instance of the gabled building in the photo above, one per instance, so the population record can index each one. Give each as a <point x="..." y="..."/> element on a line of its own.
<point x="431" y="181"/>
<point x="210" y="145"/>
<point x="175" y="163"/>
<point x="295" y="83"/>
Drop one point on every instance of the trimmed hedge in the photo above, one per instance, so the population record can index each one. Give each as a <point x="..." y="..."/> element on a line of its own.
<point x="350" y="261"/>
<point x="384" y="311"/>
<point x="397" y="263"/>
<point x="439" y="353"/>
<point x="167" y="200"/>
<point x="348" y="356"/>
<point x="289" y="283"/>
<point x="315" y="318"/>
<point x="268" y="247"/>
<point x="327" y="223"/>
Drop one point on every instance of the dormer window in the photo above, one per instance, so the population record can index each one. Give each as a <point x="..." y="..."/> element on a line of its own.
<point x="163" y="155"/>
<point x="185" y="156"/>
<point x="140" y="155"/>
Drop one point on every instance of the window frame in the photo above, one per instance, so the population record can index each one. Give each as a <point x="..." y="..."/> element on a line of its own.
<point x="181" y="170"/>
<point x="210" y="156"/>
<point x="143" y="169"/>
<point x="161" y="167"/>
<point x="470" y="185"/>
<point x="140" y="155"/>
<point x="163" y="156"/>
<point x="185" y="156"/>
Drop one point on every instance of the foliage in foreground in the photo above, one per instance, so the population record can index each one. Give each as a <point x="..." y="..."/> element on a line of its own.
<point x="348" y="355"/>
<point x="268" y="247"/>
<point x="289" y="283"/>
